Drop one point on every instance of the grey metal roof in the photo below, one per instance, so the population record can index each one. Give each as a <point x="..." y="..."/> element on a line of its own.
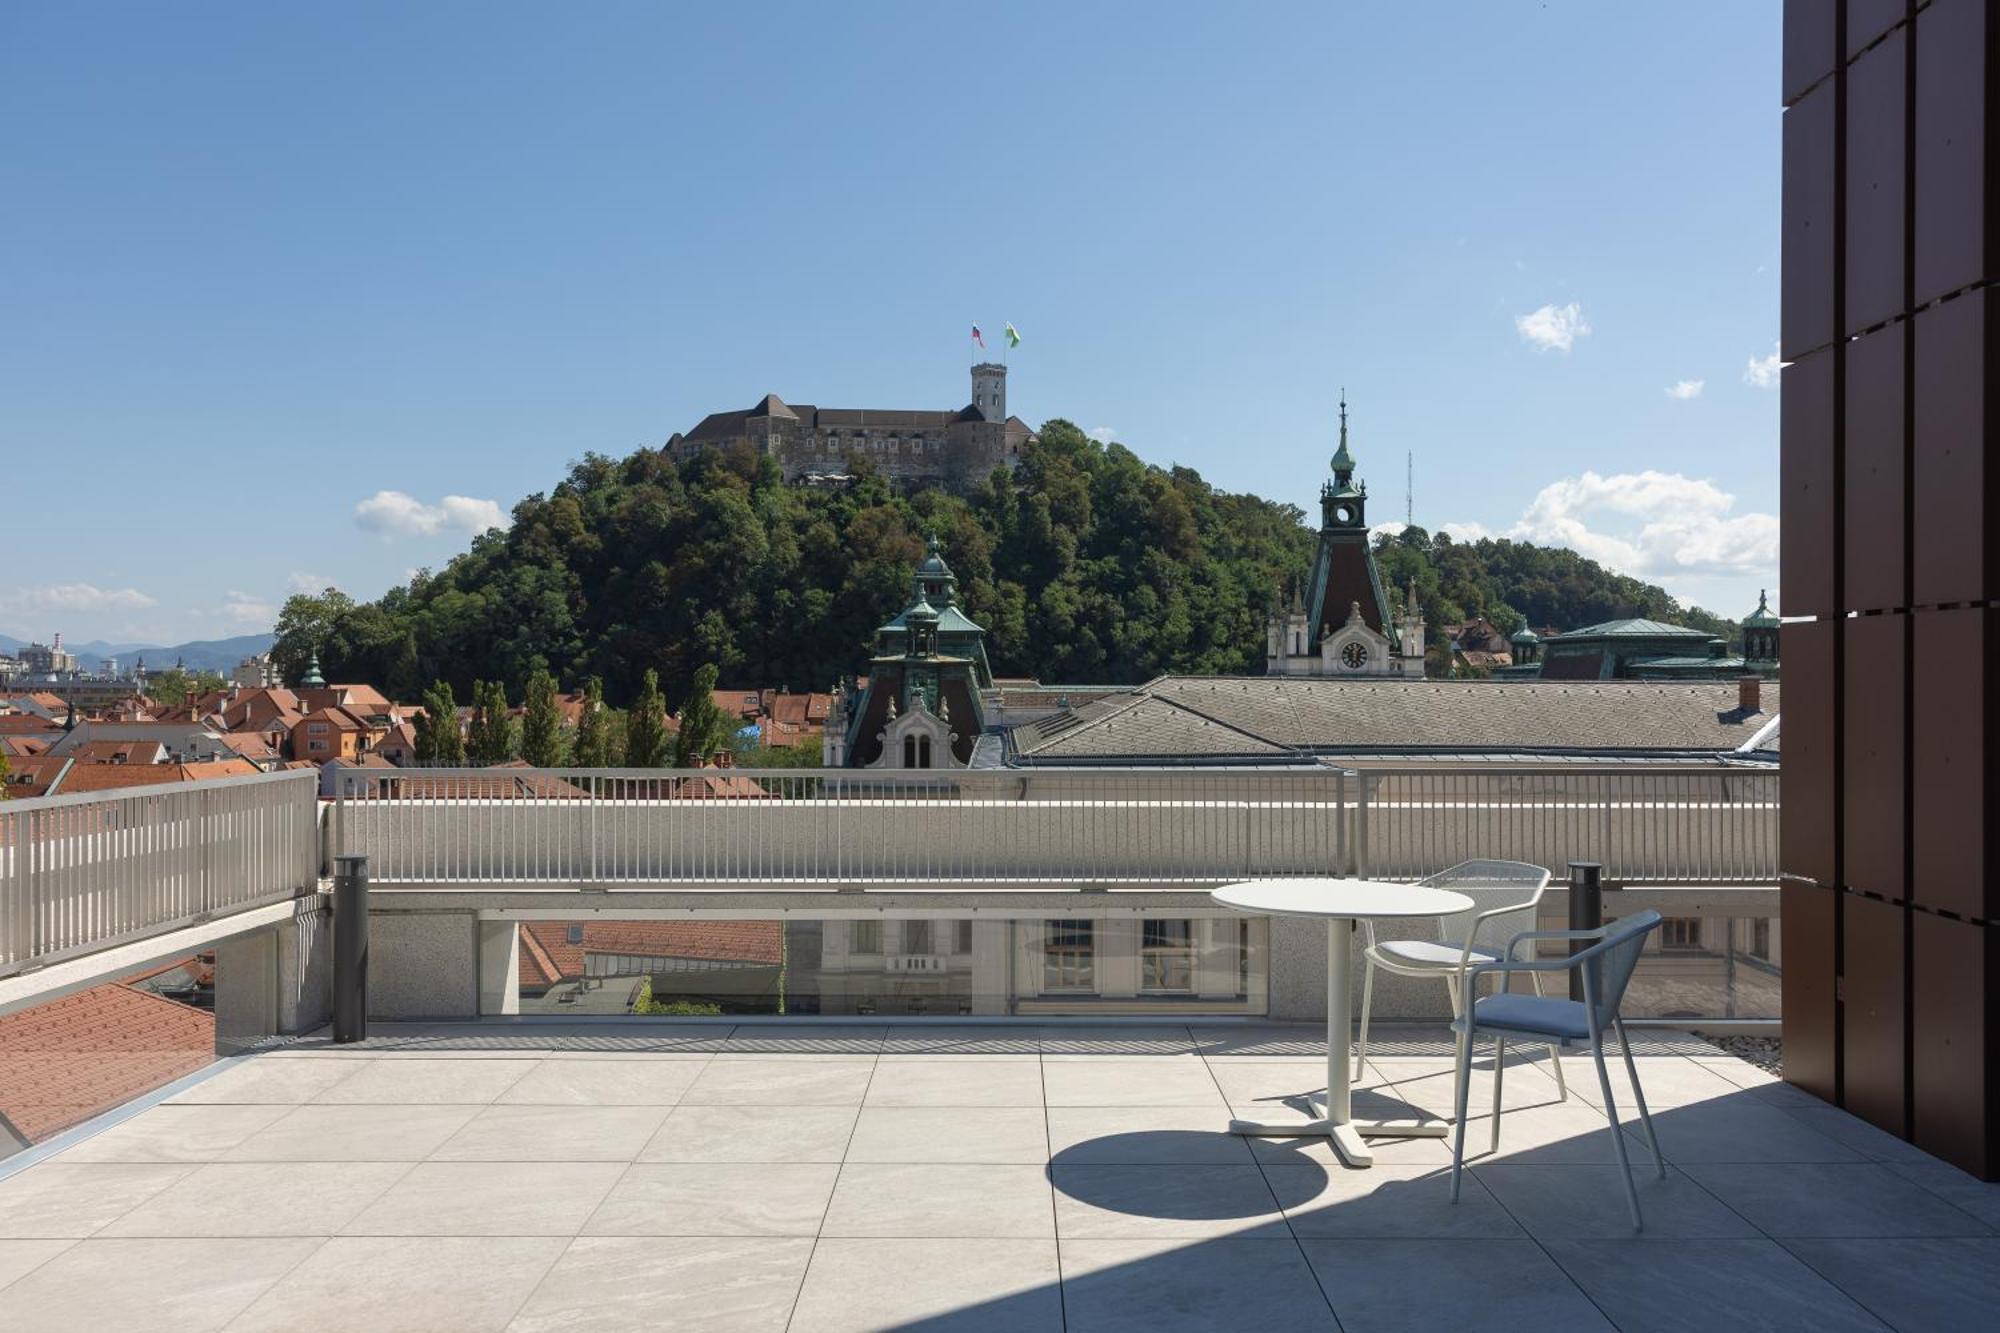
<point x="1632" y="629"/>
<point x="1183" y="717"/>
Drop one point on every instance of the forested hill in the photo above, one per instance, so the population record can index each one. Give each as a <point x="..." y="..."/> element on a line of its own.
<point x="1085" y="565"/>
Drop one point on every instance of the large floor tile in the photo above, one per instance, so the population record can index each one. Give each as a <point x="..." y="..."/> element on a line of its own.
<point x="1698" y="1286"/>
<point x="1806" y="1199"/>
<point x="18" y="1258"/>
<point x="170" y="1133"/>
<point x="1143" y="1136"/>
<point x="1273" y="1150"/>
<point x="1568" y="1133"/>
<point x="1284" y="1042"/>
<point x="1737" y="1129"/>
<point x="998" y="1134"/>
<point x="58" y="1199"/>
<point x="940" y="1286"/>
<point x="986" y="1041"/>
<point x="1130" y="1081"/>
<point x="180" y="1284"/>
<point x="489" y="1199"/>
<point x="1667" y="1081"/>
<point x="403" y="1284"/>
<point x="1978" y="1197"/>
<point x="262" y="1199"/>
<point x="716" y="1199"/>
<point x="927" y="1200"/>
<point x="553" y="1134"/>
<point x="1416" y="1286"/>
<point x="752" y="1134"/>
<point x="1180" y="1286"/>
<point x="1950" y="1284"/>
<point x="426" y="1081"/>
<point x="696" y="1284"/>
<point x="1138" y="1202"/>
<point x="1851" y="1131"/>
<point x="1571" y="1202"/>
<point x="1249" y="1082"/>
<point x="621" y="1082"/>
<point x="956" y="1083"/>
<point x="270" y="1079"/>
<point x="807" y="1039"/>
<point x="1385" y="1202"/>
<point x="353" y="1134"/>
<point x="780" y="1082"/>
<point x="1060" y="1040"/>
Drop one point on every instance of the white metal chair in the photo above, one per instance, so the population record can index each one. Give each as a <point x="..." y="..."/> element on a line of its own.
<point x="1504" y="897"/>
<point x="1607" y="965"/>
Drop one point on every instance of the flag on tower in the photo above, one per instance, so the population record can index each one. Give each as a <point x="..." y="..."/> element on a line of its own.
<point x="1013" y="337"/>
<point x="976" y="337"/>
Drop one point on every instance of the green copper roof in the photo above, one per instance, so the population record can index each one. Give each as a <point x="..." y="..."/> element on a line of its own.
<point x="950" y="620"/>
<point x="1631" y="629"/>
<point x="1343" y="461"/>
<point x="312" y="676"/>
<point x="1761" y="618"/>
<point x="933" y="561"/>
<point x="1524" y="635"/>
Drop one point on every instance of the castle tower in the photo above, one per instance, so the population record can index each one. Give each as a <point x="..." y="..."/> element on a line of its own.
<point x="989" y="390"/>
<point x="1760" y="632"/>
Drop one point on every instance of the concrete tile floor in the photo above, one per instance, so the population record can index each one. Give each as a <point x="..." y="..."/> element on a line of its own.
<point x="540" y="1177"/>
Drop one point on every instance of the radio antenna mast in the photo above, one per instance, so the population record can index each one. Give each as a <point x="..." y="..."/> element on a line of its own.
<point x="1410" y="489"/>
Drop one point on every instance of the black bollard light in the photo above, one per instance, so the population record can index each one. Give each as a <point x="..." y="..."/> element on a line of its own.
<point x="1586" y="912"/>
<point x="350" y="949"/>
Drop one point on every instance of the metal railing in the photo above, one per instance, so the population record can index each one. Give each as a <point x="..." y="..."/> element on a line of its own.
<point x="88" y="872"/>
<point x="1056" y="828"/>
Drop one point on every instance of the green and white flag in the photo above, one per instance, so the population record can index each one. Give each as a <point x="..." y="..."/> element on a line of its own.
<point x="1013" y="336"/>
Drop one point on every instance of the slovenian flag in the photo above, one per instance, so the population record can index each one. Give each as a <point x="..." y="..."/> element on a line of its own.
<point x="977" y="337"/>
<point x="1013" y="337"/>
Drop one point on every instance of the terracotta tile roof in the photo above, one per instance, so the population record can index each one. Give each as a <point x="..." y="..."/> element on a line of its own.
<point x="31" y="776"/>
<point x="112" y="777"/>
<point x="119" y="752"/>
<point x="23" y="745"/>
<point x="251" y="745"/>
<point x="745" y="704"/>
<point x="548" y="954"/>
<point x="26" y="724"/>
<point x="76" y="1057"/>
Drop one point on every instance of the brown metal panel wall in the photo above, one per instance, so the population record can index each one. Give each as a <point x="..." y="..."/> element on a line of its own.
<point x="1952" y="1035"/>
<point x="1872" y="754"/>
<point x="1812" y="44"/>
<point x="1951" y="550"/>
<point x="1809" y="913"/>
<point x="1807" y="491"/>
<point x="1868" y="20"/>
<point x="1807" y="288"/>
<point x="1875" y="450"/>
<point x="1808" y="835"/>
<point x="1953" y="220"/>
<point x="1874" y="188"/>
<point x="1873" y="994"/>
<point x="1952" y="762"/>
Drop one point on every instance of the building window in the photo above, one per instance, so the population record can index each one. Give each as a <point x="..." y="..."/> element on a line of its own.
<point x="864" y="937"/>
<point x="923" y="752"/>
<point x="316" y="745"/>
<point x="1166" y="955"/>
<point x="917" y="937"/>
<point x="1069" y="956"/>
<point x="574" y="933"/>
<point x="909" y="752"/>
<point x="1680" y="933"/>
<point x="1760" y="938"/>
<point x="962" y="941"/>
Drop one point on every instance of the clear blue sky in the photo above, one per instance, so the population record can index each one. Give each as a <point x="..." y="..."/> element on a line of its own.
<point x="260" y="263"/>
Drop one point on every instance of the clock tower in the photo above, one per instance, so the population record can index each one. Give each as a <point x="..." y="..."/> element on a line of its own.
<point x="1349" y="628"/>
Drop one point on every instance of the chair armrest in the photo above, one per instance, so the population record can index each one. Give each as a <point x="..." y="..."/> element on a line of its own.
<point x="1595" y="934"/>
<point x="1503" y="970"/>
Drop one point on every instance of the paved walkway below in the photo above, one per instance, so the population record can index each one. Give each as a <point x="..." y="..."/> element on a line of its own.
<point x="805" y="1178"/>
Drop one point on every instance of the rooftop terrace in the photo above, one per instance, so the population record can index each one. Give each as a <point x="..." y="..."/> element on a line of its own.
<point x="534" y="1176"/>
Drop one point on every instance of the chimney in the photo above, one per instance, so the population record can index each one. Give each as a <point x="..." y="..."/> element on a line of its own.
<point x="1748" y="694"/>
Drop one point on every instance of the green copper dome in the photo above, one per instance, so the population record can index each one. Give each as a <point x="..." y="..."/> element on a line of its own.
<point x="1761" y="618"/>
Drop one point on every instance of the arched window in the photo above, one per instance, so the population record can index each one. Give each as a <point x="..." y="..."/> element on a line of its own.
<point x="909" y="752"/>
<point x="923" y="752"/>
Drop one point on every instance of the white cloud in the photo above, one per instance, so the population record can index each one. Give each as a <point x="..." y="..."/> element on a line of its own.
<point x="1654" y="525"/>
<point x="1104" y="434"/>
<point x="1762" y="371"/>
<point x="1685" y="389"/>
<point x="300" y="581"/>
<point x="1459" y="532"/>
<point x="1553" y="328"/>
<point x="400" y="514"/>
<point x="79" y="597"/>
<point x="246" y="609"/>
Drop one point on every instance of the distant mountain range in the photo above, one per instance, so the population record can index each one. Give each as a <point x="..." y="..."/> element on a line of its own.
<point x="199" y="655"/>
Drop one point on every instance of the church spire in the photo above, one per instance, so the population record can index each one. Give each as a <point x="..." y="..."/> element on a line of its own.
<point x="1343" y="461"/>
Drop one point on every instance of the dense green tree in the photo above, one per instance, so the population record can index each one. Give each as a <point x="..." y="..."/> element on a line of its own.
<point x="438" y="737"/>
<point x="646" y="725"/>
<point x="4" y="793"/>
<point x="541" y="723"/>
<point x="175" y="687"/>
<point x="490" y="738"/>
<point x="593" y="729"/>
<point x="704" y="727"/>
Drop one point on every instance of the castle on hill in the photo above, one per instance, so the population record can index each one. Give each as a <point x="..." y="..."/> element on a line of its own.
<point x="954" y="450"/>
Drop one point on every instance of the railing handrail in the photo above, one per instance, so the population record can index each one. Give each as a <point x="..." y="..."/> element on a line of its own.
<point x="16" y="804"/>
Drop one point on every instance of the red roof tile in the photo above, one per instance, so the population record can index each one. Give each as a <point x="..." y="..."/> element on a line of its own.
<point x="549" y="955"/>
<point x="79" y="1056"/>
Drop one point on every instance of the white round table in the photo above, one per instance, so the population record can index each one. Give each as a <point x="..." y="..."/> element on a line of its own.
<point x="1341" y="902"/>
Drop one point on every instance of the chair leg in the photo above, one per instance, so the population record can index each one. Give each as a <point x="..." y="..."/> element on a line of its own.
<point x="1464" y="1091"/>
<point x="1367" y="1004"/>
<point x="1555" y="1049"/>
<point x="1639" y="1096"/>
<point x="1499" y="1068"/>
<point x="1617" y="1131"/>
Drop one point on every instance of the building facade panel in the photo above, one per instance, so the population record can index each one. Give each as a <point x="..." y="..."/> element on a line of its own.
<point x="1807" y="486"/>
<point x="1875" y="449"/>
<point x="1872" y="777"/>
<point x="1952" y="762"/>
<point x="1952" y="168"/>
<point x="1876" y="163"/>
<point x="1808" y="827"/>
<point x="1950" y="478"/>
<point x="1873" y="993"/>
<point x="1811" y="913"/>
<point x="1807" y="291"/>
<point x="1955" y="975"/>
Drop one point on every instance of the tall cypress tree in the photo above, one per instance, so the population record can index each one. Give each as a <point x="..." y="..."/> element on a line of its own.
<point x="541" y="724"/>
<point x="438" y="738"/>
<point x="593" y="729"/>
<point x="646" y="726"/>
<point x="492" y="740"/>
<point x="704" y="727"/>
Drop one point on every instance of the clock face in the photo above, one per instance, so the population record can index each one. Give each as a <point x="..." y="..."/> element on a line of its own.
<point x="1355" y="655"/>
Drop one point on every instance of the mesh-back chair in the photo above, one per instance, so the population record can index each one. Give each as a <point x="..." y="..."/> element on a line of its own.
<point x="1504" y="897"/>
<point x="1607" y="965"/>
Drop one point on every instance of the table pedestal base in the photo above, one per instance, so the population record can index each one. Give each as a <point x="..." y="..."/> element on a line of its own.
<point x="1347" y="1138"/>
